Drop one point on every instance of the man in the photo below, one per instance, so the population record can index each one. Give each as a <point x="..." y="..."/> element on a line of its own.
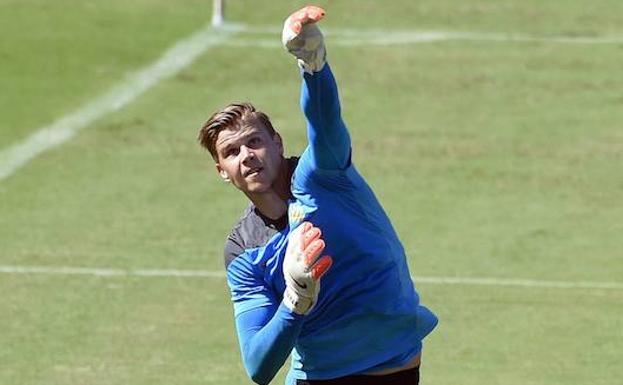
<point x="364" y="324"/>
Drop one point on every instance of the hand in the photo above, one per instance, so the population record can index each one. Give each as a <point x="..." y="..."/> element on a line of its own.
<point x="303" y="267"/>
<point x="303" y="39"/>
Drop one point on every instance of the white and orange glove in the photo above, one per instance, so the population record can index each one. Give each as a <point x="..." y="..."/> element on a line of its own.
<point x="303" y="39"/>
<point x="303" y="267"/>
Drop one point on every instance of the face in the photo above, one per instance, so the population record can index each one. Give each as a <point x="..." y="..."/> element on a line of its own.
<point x="249" y="157"/>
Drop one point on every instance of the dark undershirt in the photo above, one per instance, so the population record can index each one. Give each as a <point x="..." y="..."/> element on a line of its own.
<point x="254" y="229"/>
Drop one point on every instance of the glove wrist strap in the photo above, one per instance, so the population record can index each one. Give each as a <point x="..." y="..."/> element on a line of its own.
<point x="297" y="303"/>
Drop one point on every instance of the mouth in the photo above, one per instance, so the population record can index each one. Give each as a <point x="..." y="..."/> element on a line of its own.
<point x="253" y="171"/>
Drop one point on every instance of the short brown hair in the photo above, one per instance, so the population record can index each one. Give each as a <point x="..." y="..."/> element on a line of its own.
<point x="234" y="115"/>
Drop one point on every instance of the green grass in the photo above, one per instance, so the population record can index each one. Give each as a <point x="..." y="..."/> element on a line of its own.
<point x="493" y="159"/>
<point x="57" y="54"/>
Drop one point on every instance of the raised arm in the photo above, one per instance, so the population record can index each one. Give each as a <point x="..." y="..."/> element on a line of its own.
<point x="327" y="134"/>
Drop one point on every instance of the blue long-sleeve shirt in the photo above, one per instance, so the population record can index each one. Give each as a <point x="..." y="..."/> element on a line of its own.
<point x="368" y="315"/>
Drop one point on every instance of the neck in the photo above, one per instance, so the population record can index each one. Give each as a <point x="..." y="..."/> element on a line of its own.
<point x="273" y="203"/>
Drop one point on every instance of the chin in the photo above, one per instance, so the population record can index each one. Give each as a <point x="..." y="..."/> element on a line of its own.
<point x="258" y="188"/>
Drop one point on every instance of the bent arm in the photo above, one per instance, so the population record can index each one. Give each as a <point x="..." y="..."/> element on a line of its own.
<point x="267" y="329"/>
<point x="328" y="136"/>
<point x="266" y="340"/>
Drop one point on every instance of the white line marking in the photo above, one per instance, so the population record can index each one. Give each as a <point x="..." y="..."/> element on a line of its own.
<point x="172" y="61"/>
<point x="105" y="272"/>
<point x="519" y="283"/>
<point x="389" y="37"/>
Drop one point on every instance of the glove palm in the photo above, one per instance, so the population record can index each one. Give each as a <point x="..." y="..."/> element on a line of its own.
<point x="303" y="267"/>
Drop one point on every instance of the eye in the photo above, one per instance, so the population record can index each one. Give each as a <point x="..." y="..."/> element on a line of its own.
<point x="232" y="151"/>
<point x="255" y="141"/>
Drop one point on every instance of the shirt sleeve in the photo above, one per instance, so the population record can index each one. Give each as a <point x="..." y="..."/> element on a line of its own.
<point x="329" y="140"/>
<point x="267" y="330"/>
<point x="233" y="248"/>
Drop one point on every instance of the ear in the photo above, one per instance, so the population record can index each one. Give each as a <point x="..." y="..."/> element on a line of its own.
<point x="279" y="142"/>
<point x="222" y="173"/>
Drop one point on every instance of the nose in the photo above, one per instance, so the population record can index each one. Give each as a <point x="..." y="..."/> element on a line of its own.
<point x="247" y="153"/>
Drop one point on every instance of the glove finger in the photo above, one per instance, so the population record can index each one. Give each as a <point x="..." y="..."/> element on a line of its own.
<point x="304" y="16"/>
<point x="298" y="235"/>
<point x="311" y="14"/>
<point x="305" y="226"/>
<point x="320" y="268"/>
<point x="313" y="251"/>
<point x="310" y="235"/>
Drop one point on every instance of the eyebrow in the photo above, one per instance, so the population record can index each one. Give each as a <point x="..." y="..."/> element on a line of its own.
<point x="226" y="145"/>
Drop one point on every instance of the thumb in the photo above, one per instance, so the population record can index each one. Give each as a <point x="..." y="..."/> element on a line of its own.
<point x="320" y="268"/>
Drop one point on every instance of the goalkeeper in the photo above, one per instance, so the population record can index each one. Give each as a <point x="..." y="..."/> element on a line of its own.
<point x="315" y="267"/>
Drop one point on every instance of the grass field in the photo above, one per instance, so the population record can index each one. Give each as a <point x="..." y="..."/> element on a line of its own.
<point x="499" y="159"/>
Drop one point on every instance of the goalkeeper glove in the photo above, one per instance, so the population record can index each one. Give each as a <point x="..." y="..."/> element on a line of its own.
<point x="303" y="267"/>
<point x="303" y="39"/>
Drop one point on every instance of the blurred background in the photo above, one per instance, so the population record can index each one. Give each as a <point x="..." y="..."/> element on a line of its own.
<point x="490" y="131"/>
